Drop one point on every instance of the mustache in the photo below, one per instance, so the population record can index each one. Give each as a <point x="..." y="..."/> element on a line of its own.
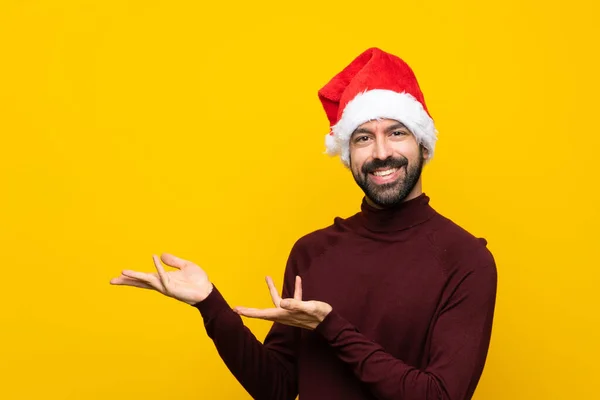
<point x="389" y="162"/>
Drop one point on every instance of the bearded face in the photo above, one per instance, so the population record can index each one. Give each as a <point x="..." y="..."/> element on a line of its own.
<point x="386" y="161"/>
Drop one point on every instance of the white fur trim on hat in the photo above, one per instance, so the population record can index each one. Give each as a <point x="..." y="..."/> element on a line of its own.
<point x="379" y="104"/>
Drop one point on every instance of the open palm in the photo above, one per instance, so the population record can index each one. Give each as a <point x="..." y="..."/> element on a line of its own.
<point x="188" y="283"/>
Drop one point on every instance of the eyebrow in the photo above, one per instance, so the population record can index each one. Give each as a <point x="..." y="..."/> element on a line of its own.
<point x="398" y="125"/>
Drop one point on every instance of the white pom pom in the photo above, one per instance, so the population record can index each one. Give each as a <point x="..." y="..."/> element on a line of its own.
<point x="332" y="147"/>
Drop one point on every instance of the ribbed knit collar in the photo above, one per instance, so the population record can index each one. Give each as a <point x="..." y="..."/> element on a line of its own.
<point x="402" y="216"/>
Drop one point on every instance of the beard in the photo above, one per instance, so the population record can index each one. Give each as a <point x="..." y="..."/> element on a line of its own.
<point x="392" y="193"/>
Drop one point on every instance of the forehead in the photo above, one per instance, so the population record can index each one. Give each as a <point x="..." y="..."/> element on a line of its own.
<point x="380" y="124"/>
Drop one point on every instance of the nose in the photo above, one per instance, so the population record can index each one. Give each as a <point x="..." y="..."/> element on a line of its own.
<point x="382" y="149"/>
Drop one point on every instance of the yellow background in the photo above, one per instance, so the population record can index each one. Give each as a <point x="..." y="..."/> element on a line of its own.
<point x="135" y="127"/>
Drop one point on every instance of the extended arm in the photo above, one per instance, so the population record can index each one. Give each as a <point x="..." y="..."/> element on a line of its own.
<point x="266" y="371"/>
<point x="458" y="343"/>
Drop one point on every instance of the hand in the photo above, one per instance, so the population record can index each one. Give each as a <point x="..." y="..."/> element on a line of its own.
<point x="188" y="283"/>
<point x="293" y="312"/>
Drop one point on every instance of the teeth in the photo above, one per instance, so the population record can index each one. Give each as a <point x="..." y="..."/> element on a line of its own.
<point x="384" y="173"/>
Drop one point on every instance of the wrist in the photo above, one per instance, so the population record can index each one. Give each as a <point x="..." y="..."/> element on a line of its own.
<point x="326" y="310"/>
<point x="201" y="295"/>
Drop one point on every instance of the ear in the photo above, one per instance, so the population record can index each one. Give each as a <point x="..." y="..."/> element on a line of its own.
<point x="424" y="152"/>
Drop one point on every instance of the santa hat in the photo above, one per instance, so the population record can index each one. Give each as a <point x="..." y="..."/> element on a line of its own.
<point x="375" y="85"/>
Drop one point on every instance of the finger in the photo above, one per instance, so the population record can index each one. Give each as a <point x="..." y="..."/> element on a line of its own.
<point x="276" y="315"/>
<point x="298" y="289"/>
<point x="273" y="290"/>
<point x="124" y="281"/>
<point x="293" y="305"/>
<point x="160" y="270"/>
<point x="150" y="279"/>
<point x="270" y="314"/>
<point x="173" y="261"/>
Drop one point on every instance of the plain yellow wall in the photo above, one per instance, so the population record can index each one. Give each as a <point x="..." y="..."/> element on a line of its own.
<point x="135" y="127"/>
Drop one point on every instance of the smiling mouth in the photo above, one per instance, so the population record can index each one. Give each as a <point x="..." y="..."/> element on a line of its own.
<point x="384" y="176"/>
<point x="385" y="172"/>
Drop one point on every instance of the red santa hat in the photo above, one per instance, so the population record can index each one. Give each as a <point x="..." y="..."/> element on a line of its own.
<point x="374" y="85"/>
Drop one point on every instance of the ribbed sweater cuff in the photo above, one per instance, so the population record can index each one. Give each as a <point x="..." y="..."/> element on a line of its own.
<point x="332" y="326"/>
<point x="212" y="305"/>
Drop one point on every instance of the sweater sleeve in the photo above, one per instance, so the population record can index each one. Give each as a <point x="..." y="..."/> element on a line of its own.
<point x="266" y="370"/>
<point x="459" y="345"/>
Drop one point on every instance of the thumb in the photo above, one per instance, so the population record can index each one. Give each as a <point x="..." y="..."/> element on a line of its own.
<point x="290" y="304"/>
<point x="173" y="261"/>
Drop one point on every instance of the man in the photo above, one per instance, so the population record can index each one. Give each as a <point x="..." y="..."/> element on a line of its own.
<point x="395" y="302"/>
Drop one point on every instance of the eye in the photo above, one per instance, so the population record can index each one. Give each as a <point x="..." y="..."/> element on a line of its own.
<point x="362" y="138"/>
<point x="399" y="133"/>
